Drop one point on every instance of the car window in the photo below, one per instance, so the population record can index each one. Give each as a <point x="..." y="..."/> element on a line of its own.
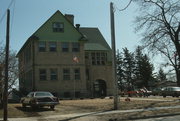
<point x="42" y="94"/>
<point x="169" y="89"/>
<point x="164" y="89"/>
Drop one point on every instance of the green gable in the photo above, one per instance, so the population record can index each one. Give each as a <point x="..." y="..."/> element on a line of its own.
<point x="95" y="40"/>
<point x="45" y="32"/>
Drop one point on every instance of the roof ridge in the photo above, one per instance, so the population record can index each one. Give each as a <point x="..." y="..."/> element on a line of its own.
<point x="88" y="27"/>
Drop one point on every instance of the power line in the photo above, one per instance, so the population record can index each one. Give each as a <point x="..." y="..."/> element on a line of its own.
<point x="5" y="11"/>
<point x="13" y="9"/>
<point x="124" y="7"/>
<point x="3" y="17"/>
<point x="10" y="4"/>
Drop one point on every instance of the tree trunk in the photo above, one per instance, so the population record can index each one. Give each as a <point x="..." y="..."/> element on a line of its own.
<point x="178" y="77"/>
<point x="1" y="103"/>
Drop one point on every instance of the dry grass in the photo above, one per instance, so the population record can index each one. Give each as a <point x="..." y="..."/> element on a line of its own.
<point x="16" y="110"/>
<point x="92" y="105"/>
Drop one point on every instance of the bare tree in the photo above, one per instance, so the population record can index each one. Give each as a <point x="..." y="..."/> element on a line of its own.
<point x="13" y="69"/>
<point x="159" y="22"/>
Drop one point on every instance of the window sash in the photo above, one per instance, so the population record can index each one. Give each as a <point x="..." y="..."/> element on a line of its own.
<point x="75" y="47"/>
<point x="52" y="46"/>
<point x="65" y="47"/>
<point x="77" y="74"/>
<point x="58" y="27"/>
<point x="42" y="46"/>
<point x="99" y="58"/>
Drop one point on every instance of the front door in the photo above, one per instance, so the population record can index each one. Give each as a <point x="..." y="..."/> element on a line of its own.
<point x="99" y="88"/>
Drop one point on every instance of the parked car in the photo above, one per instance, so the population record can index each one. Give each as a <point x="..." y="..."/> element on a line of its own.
<point x="39" y="99"/>
<point x="171" y="91"/>
<point x="140" y="92"/>
<point x="156" y="91"/>
<point x="146" y="92"/>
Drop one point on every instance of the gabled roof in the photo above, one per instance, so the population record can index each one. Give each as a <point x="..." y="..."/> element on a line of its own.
<point x="95" y="40"/>
<point x="33" y="35"/>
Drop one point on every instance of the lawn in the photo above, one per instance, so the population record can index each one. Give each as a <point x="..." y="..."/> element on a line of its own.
<point x="91" y="105"/>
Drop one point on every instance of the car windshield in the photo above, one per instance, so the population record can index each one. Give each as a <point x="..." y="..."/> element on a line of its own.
<point x="43" y="94"/>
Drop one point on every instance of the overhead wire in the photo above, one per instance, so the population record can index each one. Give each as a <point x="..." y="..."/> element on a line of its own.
<point x="3" y="17"/>
<point x="10" y="4"/>
<point x="12" y="20"/>
<point x="124" y="7"/>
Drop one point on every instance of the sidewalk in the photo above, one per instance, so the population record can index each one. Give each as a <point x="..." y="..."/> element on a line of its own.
<point x="85" y="116"/>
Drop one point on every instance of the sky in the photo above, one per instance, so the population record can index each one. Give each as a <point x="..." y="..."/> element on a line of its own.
<point x="28" y="15"/>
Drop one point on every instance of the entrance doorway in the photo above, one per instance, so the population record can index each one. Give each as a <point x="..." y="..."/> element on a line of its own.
<point x="99" y="88"/>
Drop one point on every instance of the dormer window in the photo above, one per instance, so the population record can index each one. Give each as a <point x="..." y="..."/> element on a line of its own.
<point x="58" y="27"/>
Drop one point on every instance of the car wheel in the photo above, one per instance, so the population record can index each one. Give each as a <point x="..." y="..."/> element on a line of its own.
<point x="33" y="107"/>
<point x="164" y="96"/>
<point x="52" y="107"/>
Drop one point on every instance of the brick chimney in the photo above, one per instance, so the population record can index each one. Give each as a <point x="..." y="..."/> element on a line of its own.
<point x="77" y="26"/>
<point x="70" y="17"/>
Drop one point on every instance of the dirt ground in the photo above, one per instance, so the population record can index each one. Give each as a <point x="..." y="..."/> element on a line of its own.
<point x="98" y="105"/>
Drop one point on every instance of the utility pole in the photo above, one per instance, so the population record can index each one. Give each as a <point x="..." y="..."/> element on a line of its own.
<point x="113" y="44"/>
<point x="5" y="96"/>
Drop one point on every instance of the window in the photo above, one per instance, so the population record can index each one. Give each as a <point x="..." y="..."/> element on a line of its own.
<point x="65" y="47"/>
<point x="42" y="46"/>
<point x="52" y="46"/>
<point x="43" y="94"/>
<point x="58" y="27"/>
<point x="75" y="47"/>
<point x="103" y="58"/>
<point x="98" y="58"/>
<point x="53" y="74"/>
<point x="66" y="74"/>
<point x="42" y="74"/>
<point x="86" y="55"/>
<point x="77" y="74"/>
<point x="87" y="74"/>
<point x="93" y="58"/>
